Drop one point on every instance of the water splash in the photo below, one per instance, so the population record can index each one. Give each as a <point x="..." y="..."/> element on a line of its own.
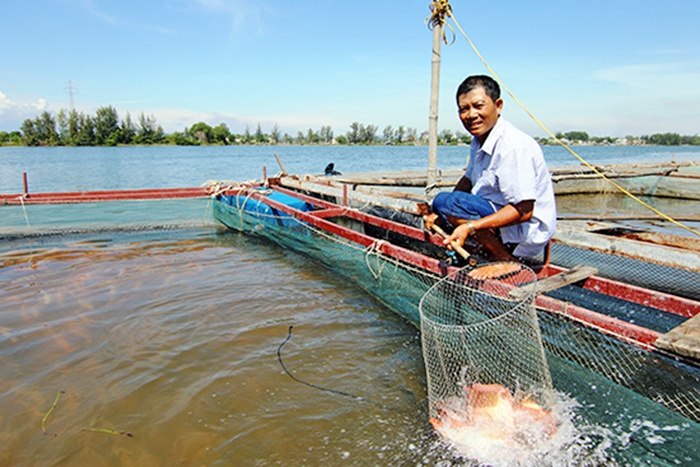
<point x="531" y="443"/>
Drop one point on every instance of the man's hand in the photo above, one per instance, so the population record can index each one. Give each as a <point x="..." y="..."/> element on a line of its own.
<point x="458" y="235"/>
<point x="429" y="220"/>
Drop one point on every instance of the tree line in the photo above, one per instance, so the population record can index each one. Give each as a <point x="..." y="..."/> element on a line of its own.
<point x="657" y="139"/>
<point x="105" y="128"/>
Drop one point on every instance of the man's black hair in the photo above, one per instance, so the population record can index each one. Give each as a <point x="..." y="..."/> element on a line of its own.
<point x="490" y="86"/>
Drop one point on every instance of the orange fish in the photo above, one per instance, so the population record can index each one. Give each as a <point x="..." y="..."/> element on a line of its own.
<point x="491" y="412"/>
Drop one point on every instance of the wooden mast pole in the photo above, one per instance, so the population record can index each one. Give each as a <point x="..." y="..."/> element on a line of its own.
<point x="437" y="21"/>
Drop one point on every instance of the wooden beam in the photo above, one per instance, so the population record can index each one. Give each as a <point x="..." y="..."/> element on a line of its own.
<point x="684" y="339"/>
<point x="575" y="274"/>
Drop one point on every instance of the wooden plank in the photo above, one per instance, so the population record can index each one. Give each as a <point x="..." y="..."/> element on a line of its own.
<point x="652" y="298"/>
<point x="575" y="274"/>
<point x="683" y="340"/>
<point x="355" y="197"/>
<point x="685" y="217"/>
<point x="571" y="234"/>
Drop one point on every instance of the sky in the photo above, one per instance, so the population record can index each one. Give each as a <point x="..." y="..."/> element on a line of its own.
<point x="610" y="68"/>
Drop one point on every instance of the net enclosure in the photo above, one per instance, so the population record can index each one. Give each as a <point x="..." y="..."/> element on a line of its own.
<point x="613" y="380"/>
<point x="485" y="363"/>
<point x="401" y="285"/>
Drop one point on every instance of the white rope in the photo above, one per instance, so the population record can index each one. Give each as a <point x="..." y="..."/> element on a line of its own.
<point x="24" y="209"/>
<point x="374" y="249"/>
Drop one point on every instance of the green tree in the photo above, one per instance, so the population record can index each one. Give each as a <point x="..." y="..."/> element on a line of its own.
<point x="447" y="137"/>
<point x="46" y="124"/>
<point x="12" y="137"/>
<point x="107" y="130"/>
<point x="576" y="136"/>
<point x="202" y="132"/>
<point x="128" y="130"/>
<point x="275" y="134"/>
<point x="30" y="136"/>
<point x="40" y="131"/>
<point x="86" y="130"/>
<point x="412" y="135"/>
<point x="260" y="137"/>
<point x="354" y="135"/>
<point x="464" y="137"/>
<point x="312" y="137"/>
<point x="691" y="140"/>
<point x="388" y="134"/>
<point x="326" y="134"/>
<point x="148" y="132"/>
<point x="63" y="127"/>
<point x="663" y="139"/>
<point x="221" y="134"/>
<point x="184" y="138"/>
<point x="76" y="121"/>
<point x="400" y="135"/>
<point x="368" y="135"/>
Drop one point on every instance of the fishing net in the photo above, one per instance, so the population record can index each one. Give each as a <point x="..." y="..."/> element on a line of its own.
<point x="617" y="266"/>
<point x="484" y="359"/>
<point x="396" y="284"/>
<point x="401" y="286"/>
<point x="26" y="221"/>
<point x="644" y="382"/>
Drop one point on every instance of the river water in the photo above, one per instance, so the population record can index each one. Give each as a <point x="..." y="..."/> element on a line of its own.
<point x="65" y="169"/>
<point x="168" y="346"/>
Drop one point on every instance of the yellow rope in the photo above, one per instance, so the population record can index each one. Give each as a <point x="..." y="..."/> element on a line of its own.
<point x="583" y="161"/>
<point x="440" y="10"/>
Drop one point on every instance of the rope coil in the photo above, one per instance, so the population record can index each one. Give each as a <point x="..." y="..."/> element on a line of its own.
<point x="439" y="11"/>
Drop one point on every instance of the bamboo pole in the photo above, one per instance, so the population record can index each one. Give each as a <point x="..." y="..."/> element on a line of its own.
<point x="438" y="28"/>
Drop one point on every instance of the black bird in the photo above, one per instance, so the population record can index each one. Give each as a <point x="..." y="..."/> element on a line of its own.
<point x="330" y="170"/>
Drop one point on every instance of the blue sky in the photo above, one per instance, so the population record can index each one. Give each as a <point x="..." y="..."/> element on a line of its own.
<point x="607" y="67"/>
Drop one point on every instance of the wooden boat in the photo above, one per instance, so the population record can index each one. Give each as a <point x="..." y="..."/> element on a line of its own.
<point x="603" y="317"/>
<point x="678" y="180"/>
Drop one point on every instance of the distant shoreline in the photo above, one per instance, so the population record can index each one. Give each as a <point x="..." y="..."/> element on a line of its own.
<point x="540" y="141"/>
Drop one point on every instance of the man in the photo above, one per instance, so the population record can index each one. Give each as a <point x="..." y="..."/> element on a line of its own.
<point x="505" y="199"/>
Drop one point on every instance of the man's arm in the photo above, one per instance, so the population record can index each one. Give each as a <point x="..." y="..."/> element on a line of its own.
<point x="464" y="184"/>
<point x="507" y="215"/>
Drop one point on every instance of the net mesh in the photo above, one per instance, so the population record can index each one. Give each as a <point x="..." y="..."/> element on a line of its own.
<point x="401" y="286"/>
<point x="475" y="336"/>
<point x="22" y="221"/>
<point x="610" y="264"/>
<point x="398" y="285"/>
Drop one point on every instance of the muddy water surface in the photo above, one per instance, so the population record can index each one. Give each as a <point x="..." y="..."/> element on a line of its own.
<point x="144" y="349"/>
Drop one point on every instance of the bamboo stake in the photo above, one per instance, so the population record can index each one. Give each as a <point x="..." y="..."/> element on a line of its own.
<point x="279" y="162"/>
<point x="438" y="29"/>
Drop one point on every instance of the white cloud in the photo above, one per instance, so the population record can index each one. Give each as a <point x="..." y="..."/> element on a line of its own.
<point x="12" y="113"/>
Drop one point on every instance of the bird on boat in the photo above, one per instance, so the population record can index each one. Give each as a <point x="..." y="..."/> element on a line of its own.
<point x="330" y="170"/>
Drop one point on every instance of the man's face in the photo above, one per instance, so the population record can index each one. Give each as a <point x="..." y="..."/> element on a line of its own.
<point x="478" y="112"/>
